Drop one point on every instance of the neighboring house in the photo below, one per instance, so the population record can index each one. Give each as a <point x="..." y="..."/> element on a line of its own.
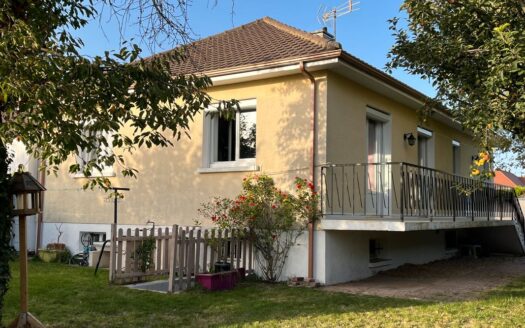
<point x="508" y="179"/>
<point x="20" y="156"/>
<point x="305" y="103"/>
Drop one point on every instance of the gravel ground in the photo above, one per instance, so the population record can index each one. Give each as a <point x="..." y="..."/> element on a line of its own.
<point x="455" y="279"/>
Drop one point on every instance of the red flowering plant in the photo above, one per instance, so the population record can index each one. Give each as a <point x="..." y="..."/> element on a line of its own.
<point x="275" y="218"/>
<point x="308" y="199"/>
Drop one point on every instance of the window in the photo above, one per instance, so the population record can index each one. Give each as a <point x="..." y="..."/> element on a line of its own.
<point x="456" y="157"/>
<point x="451" y="239"/>
<point x="374" y="250"/>
<point x="231" y="143"/>
<point x="86" y="155"/>
<point x="424" y="147"/>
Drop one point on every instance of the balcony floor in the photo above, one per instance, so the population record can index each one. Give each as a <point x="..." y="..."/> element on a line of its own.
<point x="339" y="222"/>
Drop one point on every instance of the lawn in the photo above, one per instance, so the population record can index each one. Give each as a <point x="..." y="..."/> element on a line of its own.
<point x="66" y="296"/>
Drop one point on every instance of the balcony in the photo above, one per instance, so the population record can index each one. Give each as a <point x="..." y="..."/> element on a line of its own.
<point x="411" y="197"/>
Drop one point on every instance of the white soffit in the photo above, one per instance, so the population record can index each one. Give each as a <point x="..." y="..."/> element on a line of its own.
<point x="272" y="72"/>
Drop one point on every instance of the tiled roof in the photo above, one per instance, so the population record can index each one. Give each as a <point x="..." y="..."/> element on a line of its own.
<point x="264" y="40"/>
<point x="508" y="179"/>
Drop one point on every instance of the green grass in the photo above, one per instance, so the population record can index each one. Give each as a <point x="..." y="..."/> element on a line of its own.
<point x="65" y="296"/>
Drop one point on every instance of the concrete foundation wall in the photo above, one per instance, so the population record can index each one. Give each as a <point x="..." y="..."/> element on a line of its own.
<point x="30" y="234"/>
<point x="296" y="264"/>
<point x="71" y="233"/>
<point x="347" y="252"/>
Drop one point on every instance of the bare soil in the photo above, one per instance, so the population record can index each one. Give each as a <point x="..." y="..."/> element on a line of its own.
<point x="455" y="279"/>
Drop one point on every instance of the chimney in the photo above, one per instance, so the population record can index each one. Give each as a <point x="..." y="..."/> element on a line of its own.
<point x="324" y="34"/>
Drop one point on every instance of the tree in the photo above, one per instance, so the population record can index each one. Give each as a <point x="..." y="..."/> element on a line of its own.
<point x="473" y="51"/>
<point x="60" y="103"/>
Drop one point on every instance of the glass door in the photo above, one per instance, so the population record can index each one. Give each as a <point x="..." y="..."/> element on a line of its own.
<point x="375" y="178"/>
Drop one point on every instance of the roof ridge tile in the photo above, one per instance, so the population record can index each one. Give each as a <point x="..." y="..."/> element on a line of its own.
<point x="320" y="41"/>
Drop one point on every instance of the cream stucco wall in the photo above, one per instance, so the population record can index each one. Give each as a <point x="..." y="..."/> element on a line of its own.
<point x="347" y="135"/>
<point x="169" y="189"/>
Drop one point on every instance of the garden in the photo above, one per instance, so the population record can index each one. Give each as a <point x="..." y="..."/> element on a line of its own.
<point x="71" y="296"/>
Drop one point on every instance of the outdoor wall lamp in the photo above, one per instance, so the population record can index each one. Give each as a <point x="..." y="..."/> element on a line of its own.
<point x="409" y="138"/>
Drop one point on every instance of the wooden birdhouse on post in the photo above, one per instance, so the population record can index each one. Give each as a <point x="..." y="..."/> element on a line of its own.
<point x="26" y="193"/>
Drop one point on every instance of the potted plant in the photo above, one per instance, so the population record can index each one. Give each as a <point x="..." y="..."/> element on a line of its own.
<point x="53" y="252"/>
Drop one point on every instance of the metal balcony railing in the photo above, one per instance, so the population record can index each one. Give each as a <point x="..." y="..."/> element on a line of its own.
<point x="404" y="191"/>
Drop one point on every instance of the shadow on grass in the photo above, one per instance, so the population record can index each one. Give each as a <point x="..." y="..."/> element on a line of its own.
<point x="66" y="296"/>
<point x="515" y="289"/>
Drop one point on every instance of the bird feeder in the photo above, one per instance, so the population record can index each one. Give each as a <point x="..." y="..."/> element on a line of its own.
<point x="25" y="191"/>
<point x="26" y="194"/>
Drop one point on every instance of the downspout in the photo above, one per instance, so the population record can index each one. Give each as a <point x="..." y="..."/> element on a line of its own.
<point x="312" y="164"/>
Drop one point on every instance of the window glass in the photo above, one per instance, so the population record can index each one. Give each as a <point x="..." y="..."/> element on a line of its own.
<point x="422" y="144"/>
<point x="86" y="155"/>
<point x="247" y="134"/>
<point x="456" y="159"/>
<point x="226" y="140"/>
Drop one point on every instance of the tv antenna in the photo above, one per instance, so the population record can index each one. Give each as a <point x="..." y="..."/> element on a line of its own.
<point x="325" y="15"/>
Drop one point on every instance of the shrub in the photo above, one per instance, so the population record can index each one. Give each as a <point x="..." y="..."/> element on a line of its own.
<point x="520" y="190"/>
<point x="275" y="218"/>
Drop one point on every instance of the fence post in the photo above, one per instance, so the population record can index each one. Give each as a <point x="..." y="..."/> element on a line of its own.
<point x="166" y="250"/>
<point x="118" y="270"/>
<point x="173" y="258"/>
<point x="205" y="251"/>
<point x="127" y="262"/>
<point x="244" y="247"/>
<point x="197" y="251"/>
<point x="250" y="253"/>
<point x="237" y="249"/>
<point x="135" y="260"/>
<point x="189" y="268"/>
<point x="158" y="250"/>
<point x="212" y="250"/>
<point x="182" y="237"/>
<point x="112" y="254"/>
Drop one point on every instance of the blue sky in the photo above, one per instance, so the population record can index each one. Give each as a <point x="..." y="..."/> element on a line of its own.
<point x="364" y="33"/>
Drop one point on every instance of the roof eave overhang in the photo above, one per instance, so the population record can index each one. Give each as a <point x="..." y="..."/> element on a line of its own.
<point x="340" y="63"/>
<point x="272" y="69"/>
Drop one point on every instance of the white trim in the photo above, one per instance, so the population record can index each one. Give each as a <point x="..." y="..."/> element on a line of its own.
<point x="266" y="73"/>
<point x="239" y="168"/>
<point x="209" y="142"/>
<point x="377" y="115"/>
<point x="424" y="132"/>
<point x="456" y="143"/>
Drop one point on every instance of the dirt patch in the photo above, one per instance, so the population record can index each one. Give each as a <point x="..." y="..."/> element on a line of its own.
<point x="455" y="279"/>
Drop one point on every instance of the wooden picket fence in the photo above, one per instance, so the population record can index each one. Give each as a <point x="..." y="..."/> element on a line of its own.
<point x="179" y="252"/>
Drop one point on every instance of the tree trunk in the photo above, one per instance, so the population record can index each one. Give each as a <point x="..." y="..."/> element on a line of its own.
<point x="5" y="226"/>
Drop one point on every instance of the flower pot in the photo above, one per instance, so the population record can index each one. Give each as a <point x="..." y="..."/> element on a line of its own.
<point x="241" y="272"/>
<point x="49" y="255"/>
<point x="217" y="281"/>
<point x="221" y="266"/>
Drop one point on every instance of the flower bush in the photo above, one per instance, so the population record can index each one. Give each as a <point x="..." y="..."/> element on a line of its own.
<point x="275" y="218"/>
<point x="480" y="167"/>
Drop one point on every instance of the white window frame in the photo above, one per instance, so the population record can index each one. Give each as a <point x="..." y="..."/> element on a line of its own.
<point x="456" y="160"/>
<point x="107" y="170"/>
<point x="430" y="149"/>
<point x="209" y="149"/>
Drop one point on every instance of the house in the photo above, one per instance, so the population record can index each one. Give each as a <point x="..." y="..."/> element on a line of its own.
<point x="508" y="179"/>
<point x="389" y="180"/>
<point x="20" y="156"/>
